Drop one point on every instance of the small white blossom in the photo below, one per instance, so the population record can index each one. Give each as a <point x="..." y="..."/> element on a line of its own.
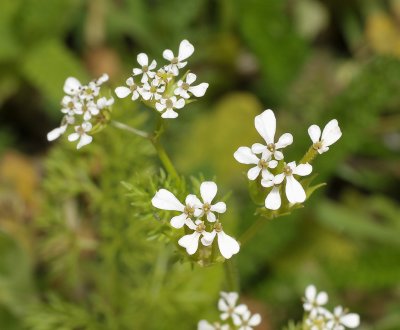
<point x="81" y="134"/>
<point x="329" y="136"/>
<point x="295" y="192"/>
<point x="123" y="91"/>
<point x="314" y="301"/>
<point x="89" y="92"/>
<point x="316" y="322"/>
<point x="146" y="69"/>
<point x="227" y="305"/>
<point x="265" y="124"/>
<point x="244" y="155"/>
<point x="227" y="245"/>
<point x="184" y="87"/>
<point x="191" y="242"/>
<point x="247" y="321"/>
<point x="72" y="86"/>
<point x="205" y="325"/>
<point x="208" y="190"/>
<point x="71" y="105"/>
<point x="273" y="200"/>
<point x="153" y="90"/>
<point x="340" y="320"/>
<point x="167" y="106"/>
<point x="165" y="200"/>
<point x="186" y="49"/>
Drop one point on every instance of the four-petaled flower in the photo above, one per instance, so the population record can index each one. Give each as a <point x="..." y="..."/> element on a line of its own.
<point x="154" y="90"/>
<point x="184" y="87"/>
<point x="227" y="245"/>
<point x="329" y="136"/>
<point x="208" y="190"/>
<point x="314" y="301"/>
<point x="177" y="62"/>
<point x="146" y="69"/>
<point x="265" y="124"/>
<point x="167" y="106"/>
<point x="227" y="305"/>
<point x="247" y="321"/>
<point x="273" y="199"/>
<point x="191" y="242"/>
<point x="340" y="319"/>
<point x="123" y="91"/>
<point x="205" y="325"/>
<point x="81" y="134"/>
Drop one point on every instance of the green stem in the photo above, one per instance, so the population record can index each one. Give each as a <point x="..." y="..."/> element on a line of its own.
<point x="309" y="156"/>
<point x="162" y="154"/>
<point x="231" y="275"/>
<point x="252" y="230"/>
<point x="130" y="129"/>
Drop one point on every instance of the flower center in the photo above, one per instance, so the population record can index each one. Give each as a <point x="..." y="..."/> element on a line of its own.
<point x="185" y="86"/>
<point x="80" y="130"/>
<point x="145" y="68"/>
<point x="133" y="87"/>
<point x="200" y="227"/>
<point x="174" y="60"/>
<point x="218" y="227"/>
<point x="317" y="145"/>
<point x="263" y="163"/>
<point x="153" y="89"/>
<point x="271" y="147"/>
<point x="169" y="104"/>
<point x="89" y="91"/>
<point x="189" y="210"/>
<point x="287" y="170"/>
<point x="206" y="207"/>
<point x="70" y="105"/>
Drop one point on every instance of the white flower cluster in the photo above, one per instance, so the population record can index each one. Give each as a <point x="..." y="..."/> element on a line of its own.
<point x="80" y="105"/>
<point x="319" y="318"/>
<point x="232" y="316"/>
<point x="198" y="216"/>
<point x="159" y="87"/>
<point x="268" y="159"/>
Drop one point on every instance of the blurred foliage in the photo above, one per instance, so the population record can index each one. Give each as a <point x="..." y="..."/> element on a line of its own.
<point x="79" y="248"/>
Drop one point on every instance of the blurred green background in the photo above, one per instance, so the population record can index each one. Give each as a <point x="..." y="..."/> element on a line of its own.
<point x="74" y="247"/>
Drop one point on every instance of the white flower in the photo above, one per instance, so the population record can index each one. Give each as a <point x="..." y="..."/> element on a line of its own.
<point x="153" y="90"/>
<point x="205" y="325"/>
<point x="72" y="86"/>
<point x="104" y="102"/>
<point x="191" y="242"/>
<point x="81" y="134"/>
<point x="71" y="105"/>
<point x="165" y="200"/>
<point x="330" y="135"/>
<point x="265" y="124"/>
<point x="316" y="322"/>
<point x="93" y="109"/>
<point x="169" y="104"/>
<point x="247" y="321"/>
<point x="339" y="320"/>
<point x="227" y="245"/>
<point x="90" y="91"/>
<point x="185" y="50"/>
<point x="146" y="69"/>
<point x="227" y="305"/>
<point x="294" y="190"/>
<point x="208" y="190"/>
<point x="273" y="200"/>
<point x="244" y="155"/>
<point x="123" y="91"/>
<point x="103" y="78"/>
<point x="58" y="131"/>
<point x="184" y="87"/>
<point x="314" y="301"/>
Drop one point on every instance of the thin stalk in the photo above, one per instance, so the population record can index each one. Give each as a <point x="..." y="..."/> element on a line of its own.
<point x="309" y="156"/>
<point x="231" y="275"/>
<point x="130" y="129"/>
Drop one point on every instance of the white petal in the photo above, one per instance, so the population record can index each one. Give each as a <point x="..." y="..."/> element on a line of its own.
<point x="170" y="114"/>
<point x="311" y="292"/>
<point x="122" y="92"/>
<point x="180" y="104"/>
<point x="242" y="309"/>
<point x="208" y="190"/>
<point x="84" y="140"/>
<point x="222" y="305"/>
<point x="285" y="140"/>
<point x="190" y="224"/>
<point x="54" y="134"/>
<point x="178" y="221"/>
<point x="211" y="217"/>
<point x="315" y="133"/>
<point x="255" y="320"/>
<point x="152" y="66"/>
<point x="273" y="200"/>
<point x="331" y="133"/>
<point x="244" y="155"/>
<point x="322" y="298"/>
<point x="208" y="238"/>
<point x="279" y="178"/>
<point x="253" y="173"/>
<point x="71" y="85"/>
<point x="258" y="148"/>
<point x="190" y="242"/>
<point x="143" y="59"/>
<point x="199" y="90"/>
<point x="160" y="106"/>
<point x="166" y="200"/>
<point x="73" y="137"/>
<point x="192" y="200"/>
<point x="185" y="50"/>
<point x="135" y="95"/>
<point x="137" y="71"/>
<point x="351" y="320"/>
<point x="278" y="155"/>
<point x="228" y="246"/>
<point x="146" y="95"/>
<point x="204" y="325"/>
<point x="294" y="190"/>
<point x="265" y="124"/>
<point x="191" y="78"/>
<point x="168" y="54"/>
<point x="272" y="164"/>
<point x="303" y="169"/>
<point x="267" y="183"/>
<point x="220" y="207"/>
